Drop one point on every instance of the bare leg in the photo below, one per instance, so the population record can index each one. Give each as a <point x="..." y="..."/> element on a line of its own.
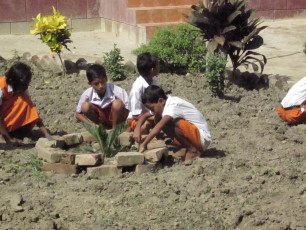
<point x="90" y="111"/>
<point x="119" y="112"/>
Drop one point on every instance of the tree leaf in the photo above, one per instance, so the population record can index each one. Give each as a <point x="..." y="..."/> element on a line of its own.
<point x="232" y="16"/>
<point x="237" y="44"/>
<point x="254" y="43"/>
<point x="228" y="28"/>
<point x="219" y="39"/>
<point x="212" y="46"/>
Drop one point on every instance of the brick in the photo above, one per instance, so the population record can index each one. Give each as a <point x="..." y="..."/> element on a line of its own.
<point x="60" y="168"/>
<point x="56" y="143"/>
<point x="104" y="170"/>
<point x="89" y="159"/>
<point x="154" y="144"/>
<point x="51" y="155"/>
<point x="68" y="158"/>
<point x="87" y="137"/>
<point x="125" y="139"/>
<point x="145" y="168"/>
<point x="129" y="158"/>
<point x="155" y="155"/>
<point x="73" y="139"/>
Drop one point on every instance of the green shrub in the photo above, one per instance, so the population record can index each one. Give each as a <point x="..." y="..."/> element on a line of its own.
<point x="215" y="73"/>
<point x="113" y="64"/>
<point x="179" y="50"/>
<point x="305" y="48"/>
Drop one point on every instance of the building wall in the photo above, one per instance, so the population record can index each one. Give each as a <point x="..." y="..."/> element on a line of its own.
<point x="16" y="15"/>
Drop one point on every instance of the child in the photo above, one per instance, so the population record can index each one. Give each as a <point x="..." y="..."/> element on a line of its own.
<point x="293" y="106"/>
<point x="180" y="120"/>
<point x="103" y="102"/>
<point x="148" y="68"/>
<point x="18" y="114"/>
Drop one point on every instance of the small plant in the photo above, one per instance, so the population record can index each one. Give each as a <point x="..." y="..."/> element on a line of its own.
<point x="226" y="26"/>
<point x="180" y="50"/>
<point x="104" y="138"/>
<point x="53" y="30"/>
<point x="15" y="54"/>
<point x="215" y="73"/>
<point x="36" y="166"/>
<point x="305" y="47"/>
<point x="113" y="64"/>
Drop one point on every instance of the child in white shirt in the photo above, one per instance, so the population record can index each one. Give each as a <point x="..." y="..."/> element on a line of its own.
<point x="293" y="106"/>
<point x="103" y="102"/>
<point x="148" y="68"/>
<point x="180" y="120"/>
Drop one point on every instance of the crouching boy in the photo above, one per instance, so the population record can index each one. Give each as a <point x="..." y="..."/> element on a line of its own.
<point x="180" y="120"/>
<point x="103" y="102"/>
<point x="293" y="106"/>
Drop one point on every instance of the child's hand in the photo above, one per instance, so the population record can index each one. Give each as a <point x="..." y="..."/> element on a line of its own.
<point x="137" y="136"/>
<point x="142" y="148"/>
<point x="14" y="141"/>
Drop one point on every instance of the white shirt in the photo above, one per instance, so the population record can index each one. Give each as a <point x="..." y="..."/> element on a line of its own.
<point x="138" y="88"/>
<point x="9" y="90"/>
<point x="296" y="95"/>
<point x="112" y="92"/>
<point x="179" y="108"/>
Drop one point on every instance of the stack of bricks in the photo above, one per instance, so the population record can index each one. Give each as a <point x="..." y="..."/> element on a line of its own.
<point x="56" y="159"/>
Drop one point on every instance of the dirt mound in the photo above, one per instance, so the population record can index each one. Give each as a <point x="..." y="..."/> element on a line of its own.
<point x="251" y="177"/>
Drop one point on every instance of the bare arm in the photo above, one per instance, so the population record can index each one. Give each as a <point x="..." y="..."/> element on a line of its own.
<point x="141" y="120"/>
<point x="156" y="130"/>
<point x="81" y="117"/>
<point x="44" y="130"/>
<point x="8" y="139"/>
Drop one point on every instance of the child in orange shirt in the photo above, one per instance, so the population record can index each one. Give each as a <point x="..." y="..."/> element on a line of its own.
<point x="18" y="114"/>
<point x="180" y="120"/>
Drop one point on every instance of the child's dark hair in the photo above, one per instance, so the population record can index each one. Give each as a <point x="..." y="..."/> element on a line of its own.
<point x="95" y="71"/>
<point x="152" y="94"/>
<point x="145" y="62"/>
<point x="18" y="75"/>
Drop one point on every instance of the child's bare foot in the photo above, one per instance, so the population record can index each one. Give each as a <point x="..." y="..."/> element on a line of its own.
<point x="2" y="140"/>
<point x="191" y="155"/>
<point x="180" y="153"/>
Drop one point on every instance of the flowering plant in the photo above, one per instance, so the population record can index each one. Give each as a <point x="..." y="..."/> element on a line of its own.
<point x="53" y="30"/>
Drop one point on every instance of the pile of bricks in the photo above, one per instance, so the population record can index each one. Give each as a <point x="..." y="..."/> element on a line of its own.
<point x="56" y="158"/>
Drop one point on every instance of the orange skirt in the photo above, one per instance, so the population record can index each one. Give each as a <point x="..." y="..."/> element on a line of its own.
<point x="105" y="116"/>
<point x="18" y="111"/>
<point x="292" y="116"/>
<point x="191" y="132"/>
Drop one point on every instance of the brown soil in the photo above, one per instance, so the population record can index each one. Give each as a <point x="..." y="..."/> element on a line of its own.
<point x="251" y="177"/>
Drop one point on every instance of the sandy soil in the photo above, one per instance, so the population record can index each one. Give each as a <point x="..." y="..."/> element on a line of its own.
<point x="251" y="177"/>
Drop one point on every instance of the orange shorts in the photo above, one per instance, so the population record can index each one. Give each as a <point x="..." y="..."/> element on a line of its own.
<point x="191" y="132"/>
<point x="292" y="116"/>
<point x="105" y="116"/>
<point x="18" y="111"/>
<point x="132" y="123"/>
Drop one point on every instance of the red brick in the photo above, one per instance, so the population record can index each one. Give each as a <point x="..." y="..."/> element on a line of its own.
<point x="89" y="159"/>
<point x="155" y="155"/>
<point x="60" y="168"/>
<point x="296" y="4"/>
<point x="68" y="158"/>
<point x="73" y="8"/>
<point x="268" y="5"/>
<point x="12" y="11"/>
<point x="35" y="7"/>
<point x="93" y="7"/>
<point x="104" y="170"/>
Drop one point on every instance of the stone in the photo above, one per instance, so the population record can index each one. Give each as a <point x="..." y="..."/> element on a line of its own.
<point x="145" y="168"/>
<point x="155" y="155"/>
<point x="16" y="201"/>
<point x="68" y="158"/>
<point x="87" y="137"/>
<point x="26" y="55"/>
<point x="129" y="158"/>
<point x="125" y="139"/>
<point x="154" y="144"/>
<point x="73" y="139"/>
<point x="56" y="143"/>
<point x="89" y="159"/>
<point x="60" y="168"/>
<point x="104" y="170"/>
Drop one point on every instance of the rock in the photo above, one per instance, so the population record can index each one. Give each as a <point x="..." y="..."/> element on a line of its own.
<point x="146" y="168"/>
<point x="104" y="170"/>
<point x="16" y="201"/>
<point x="26" y="55"/>
<point x="87" y="137"/>
<point x="156" y="144"/>
<point x="48" y="154"/>
<point x="68" y="158"/>
<point x="129" y="158"/>
<point x="125" y="139"/>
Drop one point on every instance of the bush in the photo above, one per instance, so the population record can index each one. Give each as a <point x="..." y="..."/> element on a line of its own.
<point x="215" y="73"/>
<point x="180" y="50"/>
<point x="113" y="64"/>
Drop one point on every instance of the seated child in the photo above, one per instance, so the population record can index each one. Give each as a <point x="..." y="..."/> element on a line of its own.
<point x="103" y="102"/>
<point x="148" y="68"/>
<point x="293" y="106"/>
<point x="180" y="120"/>
<point x="18" y="114"/>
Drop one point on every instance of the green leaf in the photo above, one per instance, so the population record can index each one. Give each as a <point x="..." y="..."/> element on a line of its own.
<point x="232" y="16"/>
